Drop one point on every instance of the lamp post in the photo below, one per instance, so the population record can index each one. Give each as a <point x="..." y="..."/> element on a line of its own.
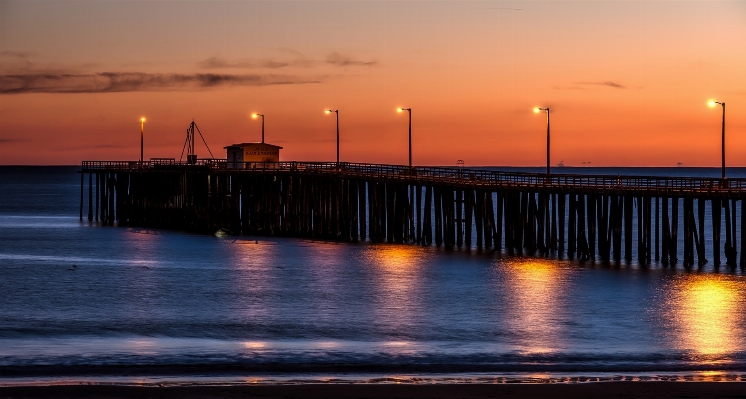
<point x="142" y="129"/>
<point x="336" y="111"/>
<point x="537" y="110"/>
<point x="409" y="110"/>
<point x="712" y="104"/>
<point x="254" y="115"/>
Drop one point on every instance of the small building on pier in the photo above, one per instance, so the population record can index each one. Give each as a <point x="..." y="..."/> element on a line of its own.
<point x="238" y="154"/>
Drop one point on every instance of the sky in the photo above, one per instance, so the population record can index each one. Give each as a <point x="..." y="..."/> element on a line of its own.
<point x="627" y="82"/>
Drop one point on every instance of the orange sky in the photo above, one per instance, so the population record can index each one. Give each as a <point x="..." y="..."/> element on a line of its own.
<point x="627" y="81"/>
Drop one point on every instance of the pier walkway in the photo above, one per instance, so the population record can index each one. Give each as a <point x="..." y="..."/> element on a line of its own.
<point x="588" y="217"/>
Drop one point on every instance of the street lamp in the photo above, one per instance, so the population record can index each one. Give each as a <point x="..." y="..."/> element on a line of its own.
<point x="536" y="111"/>
<point x="400" y="109"/>
<point x="336" y="111"/>
<point x="254" y="115"/>
<point x="712" y="104"/>
<point x="142" y="129"/>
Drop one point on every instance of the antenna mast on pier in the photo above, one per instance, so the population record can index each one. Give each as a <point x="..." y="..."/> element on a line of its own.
<point x="189" y="144"/>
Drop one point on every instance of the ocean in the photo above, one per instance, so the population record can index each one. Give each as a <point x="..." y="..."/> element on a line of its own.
<point x="80" y="301"/>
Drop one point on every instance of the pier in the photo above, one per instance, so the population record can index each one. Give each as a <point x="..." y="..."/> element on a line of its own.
<point x="583" y="217"/>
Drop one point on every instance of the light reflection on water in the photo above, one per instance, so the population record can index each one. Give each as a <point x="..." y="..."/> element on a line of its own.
<point x="703" y="315"/>
<point x="397" y="273"/>
<point x="183" y="298"/>
<point x="534" y="290"/>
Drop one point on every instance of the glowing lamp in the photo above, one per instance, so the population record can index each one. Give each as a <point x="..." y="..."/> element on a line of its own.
<point x="712" y="103"/>
<point x="254" y="115"/>
<point x="537" y="110"/>
<point x="400" y="109"/>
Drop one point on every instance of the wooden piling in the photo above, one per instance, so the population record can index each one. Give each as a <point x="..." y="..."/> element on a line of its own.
<point x="674" y="241"/>
<point x="499" y="222"/>
<point x="628" y="212"/>
<point x="561" y="213"/>
<point x="459" y="218"/>
<point x="716" y="225"/>
<point x="743" y="236"/>
<point x="591" y="213"/>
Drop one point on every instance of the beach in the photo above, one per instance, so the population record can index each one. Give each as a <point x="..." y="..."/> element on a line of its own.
<point x="625" y="390"/>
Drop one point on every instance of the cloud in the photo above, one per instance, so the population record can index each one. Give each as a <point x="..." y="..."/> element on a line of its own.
<point x="337" y="59"/>
<point x="15" y="54"/>
<point x="217" y="63"/>
<point x="606" y="83"/>
<point x="7" y="141"/>
<point x="114" y="82"/>
<point x="295" y="59"/>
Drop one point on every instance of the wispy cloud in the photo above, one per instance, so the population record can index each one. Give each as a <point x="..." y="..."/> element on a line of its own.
<point x="15" y="54"/>
<point x="291" y="58"/>
<point x="8" y="141"/>
<point x="113" y="82"/>
<point x="606" y="83"/>
<point x="218" y="63"/>
<point x="338" y="59"/>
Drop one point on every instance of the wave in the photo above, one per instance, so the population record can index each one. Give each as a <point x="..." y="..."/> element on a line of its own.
<point x="76" y="259"/>
<point x="157" y="356"/>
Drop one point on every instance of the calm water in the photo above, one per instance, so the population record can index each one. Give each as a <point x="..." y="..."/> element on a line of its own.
<point x="78" y="299"/>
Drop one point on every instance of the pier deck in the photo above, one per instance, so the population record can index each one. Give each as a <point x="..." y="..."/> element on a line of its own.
<point x="587" y="217"/>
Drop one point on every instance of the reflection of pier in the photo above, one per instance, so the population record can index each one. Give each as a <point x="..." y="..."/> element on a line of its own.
<point x="579" y="216"/>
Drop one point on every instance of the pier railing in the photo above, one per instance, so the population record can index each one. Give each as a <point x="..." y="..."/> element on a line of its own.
<point x="585" y="214"/>
<point x="471" y="177"/>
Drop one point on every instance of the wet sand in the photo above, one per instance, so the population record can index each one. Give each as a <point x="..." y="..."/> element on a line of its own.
<point x="349" y="391"/>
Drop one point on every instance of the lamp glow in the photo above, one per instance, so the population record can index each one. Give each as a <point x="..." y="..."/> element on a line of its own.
<point x="255" y="115"/>
<point x="536" y="111"/>
<point x="336" y="111"/>
<point x="712" y="104"/>
<point x="142" y="141"/>
<point x="400" y="109"/>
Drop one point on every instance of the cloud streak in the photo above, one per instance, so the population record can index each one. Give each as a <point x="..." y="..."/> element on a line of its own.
<point x="15" y="54"/>
<point x="117" y="82"/>
<point x="337" y="59"/>
<point x="334" y="59"/>
<point x="8" y="141"/>
<point x="217" y="63"/>
<point x="607" y="83"/>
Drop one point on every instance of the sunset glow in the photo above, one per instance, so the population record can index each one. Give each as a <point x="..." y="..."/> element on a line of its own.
<point x="626" y="81"/>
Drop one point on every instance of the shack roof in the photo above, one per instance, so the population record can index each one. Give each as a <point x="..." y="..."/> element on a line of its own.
<point x="241" y="145"/>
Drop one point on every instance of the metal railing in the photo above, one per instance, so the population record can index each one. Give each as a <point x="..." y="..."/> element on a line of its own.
<point x="472" y="177"/>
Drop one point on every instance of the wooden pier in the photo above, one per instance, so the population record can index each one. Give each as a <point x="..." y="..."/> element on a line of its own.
<point x="584" y="217"/>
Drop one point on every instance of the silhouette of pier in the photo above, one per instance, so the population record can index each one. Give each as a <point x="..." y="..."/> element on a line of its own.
<point x="585" y="217"/>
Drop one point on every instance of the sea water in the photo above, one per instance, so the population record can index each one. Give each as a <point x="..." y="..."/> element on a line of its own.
<point x="88" y="302"/>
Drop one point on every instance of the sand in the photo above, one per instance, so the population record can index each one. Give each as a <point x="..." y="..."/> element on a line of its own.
<point x="624" y="390"/>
